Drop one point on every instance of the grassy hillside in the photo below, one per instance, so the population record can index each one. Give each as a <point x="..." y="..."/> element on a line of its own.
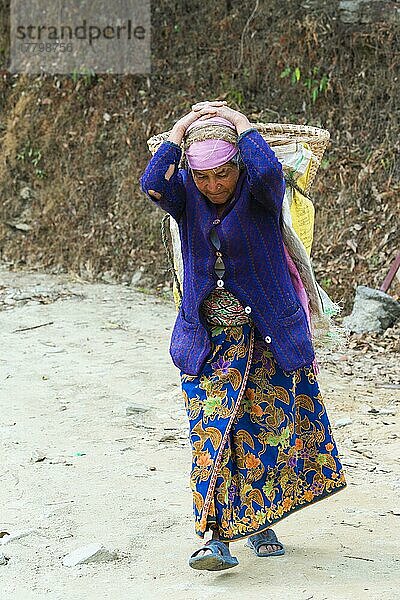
<point x="73" y="148"/>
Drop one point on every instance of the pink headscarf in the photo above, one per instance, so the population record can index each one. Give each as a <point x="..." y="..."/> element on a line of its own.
<point x="209" y="154"/>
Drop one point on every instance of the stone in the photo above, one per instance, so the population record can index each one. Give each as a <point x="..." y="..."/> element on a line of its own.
<point x="366" y="408"/>
<point x="25" y="193"/>
<point x="88" y="554"/>
<point x="134" y="409"/>
<point x="343" y="422"/>
<point x="37" y="456"/>
<point x="169" y="437"/>
<point x="3" y="559"/>
<point x="368" y="11"/>
<point x="21" y="226"/>
<point x="388" y="411"/>
<point x="16" y="535"/>
<point x="373" y="311"/>
<point x="137" y="276"/>
<point x="9" y="301"/>
<point x="109" y="277"/>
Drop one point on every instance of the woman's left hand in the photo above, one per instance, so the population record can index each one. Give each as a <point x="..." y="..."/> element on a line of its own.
<point x="219" y="109"/>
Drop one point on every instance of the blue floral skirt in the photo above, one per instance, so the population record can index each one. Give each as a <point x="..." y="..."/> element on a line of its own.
<point x="261" y="438"/>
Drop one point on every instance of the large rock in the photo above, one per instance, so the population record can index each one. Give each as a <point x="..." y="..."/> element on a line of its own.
<point x="88" y="554"/>
<point x="369" y="11"/>
<point x="356" y="12"/>
<point x="373" y="311"/>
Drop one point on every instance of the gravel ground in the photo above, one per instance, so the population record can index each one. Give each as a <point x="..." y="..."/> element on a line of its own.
<point x="76" y="469"/>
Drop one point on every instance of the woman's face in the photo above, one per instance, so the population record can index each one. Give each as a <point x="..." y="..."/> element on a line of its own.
<point x="218" y="184"/>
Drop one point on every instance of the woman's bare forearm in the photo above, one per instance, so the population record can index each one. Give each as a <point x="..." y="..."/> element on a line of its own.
<point x="176" y="135"/>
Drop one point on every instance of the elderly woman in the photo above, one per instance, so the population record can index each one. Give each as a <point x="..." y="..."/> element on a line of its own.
<point x="260" y="436"/>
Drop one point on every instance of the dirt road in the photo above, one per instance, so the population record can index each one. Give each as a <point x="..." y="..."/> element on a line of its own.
<point x="77" y="469"/>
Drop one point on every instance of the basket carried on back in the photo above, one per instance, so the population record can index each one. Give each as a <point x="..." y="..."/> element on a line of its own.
<point x="279" y="134"/>
<point x="300" y="149"/>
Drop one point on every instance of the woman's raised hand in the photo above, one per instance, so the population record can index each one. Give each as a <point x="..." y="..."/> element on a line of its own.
<point x="206" y="110"/>
<point x="183" y="123"/>
<point x="179" y="129"/>
<point x="210" y="103"/>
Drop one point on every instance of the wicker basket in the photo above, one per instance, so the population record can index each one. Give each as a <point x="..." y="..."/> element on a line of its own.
<point x="278" y="134"/>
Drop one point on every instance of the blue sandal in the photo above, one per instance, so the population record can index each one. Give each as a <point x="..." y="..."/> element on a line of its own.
<point x="265" y="538"/>
<point x="217" y="560"/>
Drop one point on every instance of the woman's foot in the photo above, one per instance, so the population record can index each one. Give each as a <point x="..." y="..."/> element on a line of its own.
<point x="213" y="556"/>
<point x="206" y="550"/>
<point x="266" y="544"/>
<point x="269" y="548"/>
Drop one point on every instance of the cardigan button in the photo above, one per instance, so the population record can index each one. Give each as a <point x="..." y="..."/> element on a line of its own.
<point x="267" y="339"/>
<point x="220" y="283"/>
<point x="247" y="310"/>
<point x="216" y="222"/>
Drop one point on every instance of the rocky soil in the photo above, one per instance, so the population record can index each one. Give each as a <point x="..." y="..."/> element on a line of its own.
<point x="94" y="450"/>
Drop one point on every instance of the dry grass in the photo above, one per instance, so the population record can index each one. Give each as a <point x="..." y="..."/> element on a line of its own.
<point x="85" y="211"/>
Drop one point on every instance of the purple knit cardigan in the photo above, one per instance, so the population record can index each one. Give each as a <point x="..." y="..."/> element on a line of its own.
<point x="256" y="269"/>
